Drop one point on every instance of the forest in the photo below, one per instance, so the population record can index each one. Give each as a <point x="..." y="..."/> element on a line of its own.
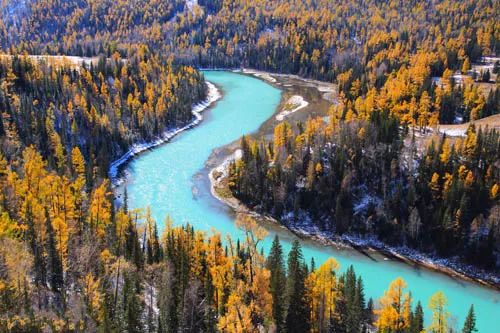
<point x="319" y="38"/>
<point x="101" y="110"/>
<point x="71" y="260"/>
<point x="358" y="177"/>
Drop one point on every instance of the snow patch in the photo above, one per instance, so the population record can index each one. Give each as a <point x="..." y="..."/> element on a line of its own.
<point x="366" y="202"/>
<point x="297" y="102"/>
<point x="223" y="168"/>
<point x="190" y="4"/>
<point x="73" y="61"/>
<point x="453" y="131"/>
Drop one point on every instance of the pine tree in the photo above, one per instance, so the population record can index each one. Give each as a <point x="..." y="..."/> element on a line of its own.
<point x="156" y="248"/>
<point x="275" y="264"/>
<point x="132" y="304"/>
<point x="297" y="319"/>
<point x="470" y="321"/>
<point x="37" y="250"/>
<point x="338" y="323"/>
<point x="2" y="130"/>
<point x="353" y="314"/>
<point x="55" y="270"/>
<point x="417" y="322"/>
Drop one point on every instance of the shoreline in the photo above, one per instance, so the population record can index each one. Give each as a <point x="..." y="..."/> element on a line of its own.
<point x="218" y="175"/>
<point x="213" y="95"/>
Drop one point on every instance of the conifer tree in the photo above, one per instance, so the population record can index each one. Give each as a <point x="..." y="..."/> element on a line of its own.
<point x="275" y="264"/>
<point x="470" y="321"/>
<point x="55" y="270"/>
<point x="297" y="319"/>
<point x="417" y="322"/>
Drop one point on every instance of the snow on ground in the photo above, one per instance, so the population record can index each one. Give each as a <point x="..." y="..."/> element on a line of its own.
<point x="326" y="89"/>
<point x="424" y="258"/>
<point x="459" y="78"/>
<point x="364" y="203"/>
<point x="190" y="4"/>
<point x="452" y="131"/>
<point x="223" y="168"/>
<point x="493" y="122"/>
<point x="490" y="60"/>
<point x="302" y="225"/>
<point x="294" y="104"/>
<point x="213" y="95"/>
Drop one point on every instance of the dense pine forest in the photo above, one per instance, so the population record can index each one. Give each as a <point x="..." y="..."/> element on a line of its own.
<point x="72" y="261"/>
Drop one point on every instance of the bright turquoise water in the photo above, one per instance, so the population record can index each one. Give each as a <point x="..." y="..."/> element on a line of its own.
<point x="172" y="180"/>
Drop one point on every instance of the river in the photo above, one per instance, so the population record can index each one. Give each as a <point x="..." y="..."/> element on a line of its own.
<point x="173" y="180"/>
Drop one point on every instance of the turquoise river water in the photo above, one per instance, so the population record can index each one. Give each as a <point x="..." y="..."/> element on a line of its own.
<point x="172" y="180"/>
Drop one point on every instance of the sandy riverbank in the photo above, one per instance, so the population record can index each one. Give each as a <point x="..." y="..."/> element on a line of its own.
<point x="212" y="96"/>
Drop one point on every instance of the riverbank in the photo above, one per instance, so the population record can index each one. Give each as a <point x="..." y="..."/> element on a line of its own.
<point x="219" y="189"/>
<point x="212" y="96"/>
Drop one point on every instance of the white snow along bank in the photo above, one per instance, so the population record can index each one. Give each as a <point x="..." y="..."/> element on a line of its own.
<point x="212" y="96"/>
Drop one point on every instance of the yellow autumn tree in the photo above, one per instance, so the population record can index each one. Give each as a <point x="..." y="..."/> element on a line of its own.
<point x="250" y="296"/>
<point x="220" y="270"/>
<point x="92" y="296"/>
<point x="434" y="185"/>
<point x="99" y="215"/>
<point x="238" y="317"/>
<point x="470" y="142"/>
<point x="322" y="286"/>
<point x="494" y="191"/>
<point x="395" y="307"/>
<point x="444" y="157"/>
<point x="282" y="133"/>
<point x="440" y="315"/>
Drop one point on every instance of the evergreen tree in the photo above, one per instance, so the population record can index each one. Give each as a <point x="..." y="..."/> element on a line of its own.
<point x="339" y="324"/>
<point x="470" y="321"/>
<point x="417" y="321"/>
<point x="157" y="250"/>
<point x="37" y="250"/>
<point x="2" y="130"/>
<point x="55" y="270"/>
<point x="297" y="319"/>
<point x="132" y="304"/>
<point x="275" y="264"/>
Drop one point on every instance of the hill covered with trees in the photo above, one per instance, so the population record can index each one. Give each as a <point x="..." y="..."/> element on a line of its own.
<point x="71" y="261"/>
